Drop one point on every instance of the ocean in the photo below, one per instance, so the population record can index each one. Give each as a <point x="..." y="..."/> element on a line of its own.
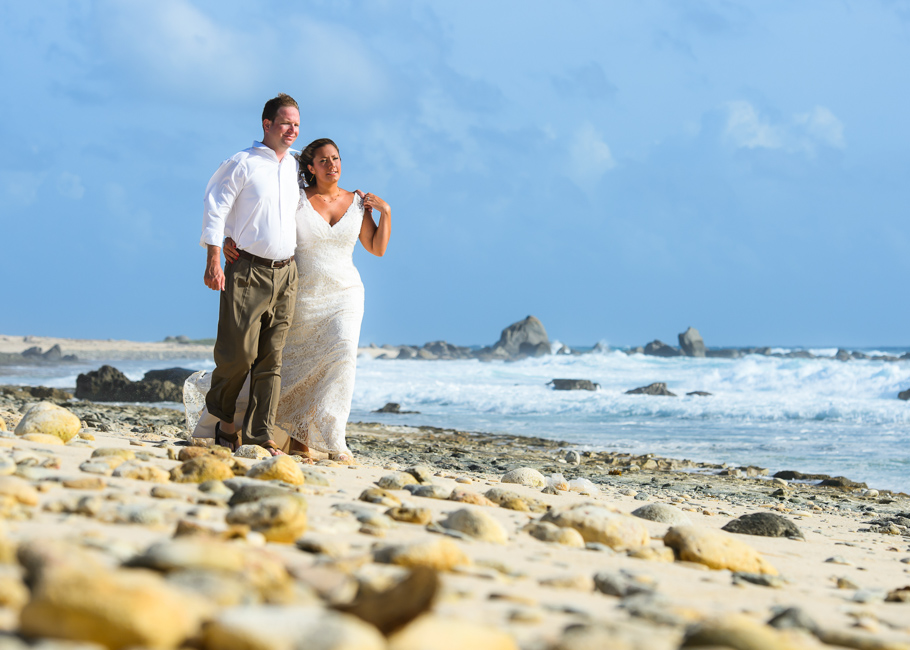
<point x="813" y="415"/>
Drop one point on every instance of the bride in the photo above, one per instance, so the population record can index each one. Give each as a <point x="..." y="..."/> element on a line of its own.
<point x="317" y="372"/>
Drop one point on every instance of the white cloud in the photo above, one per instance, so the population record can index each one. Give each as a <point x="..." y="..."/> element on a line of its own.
<point x="70" y="186"/>
<point x="591" y="156"/>
<point x="173" y="46"/>
<point x="823" y="126"/>
<point x="746" y="128"/>
<point x="20" y="188"/>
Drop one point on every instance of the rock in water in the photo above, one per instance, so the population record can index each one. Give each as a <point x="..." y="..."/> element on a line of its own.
<point x="49" y="419"/>
<point x="715" y="549"/>
<point x="657" y="388"/>
<point x="530" y="331"/>
<point x="174" y="375"/>
<point x="573" y="384"/>
<point x="107" y="384"/>
<point x="905" y="395"/>
<point x="658" y="348"/>
<point x="692" y="343"/>
<point x="765" y="524"/>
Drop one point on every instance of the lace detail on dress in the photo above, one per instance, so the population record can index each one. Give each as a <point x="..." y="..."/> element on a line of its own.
<point x="319" y="358"/>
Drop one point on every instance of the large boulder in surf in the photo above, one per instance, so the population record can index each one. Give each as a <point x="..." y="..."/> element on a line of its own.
<point x="529" y="332"/>
<point x="658" y="348"/>
<point x="107" y="384"/>
<point x="692" y="344"/>
<point x="905" y="395"/>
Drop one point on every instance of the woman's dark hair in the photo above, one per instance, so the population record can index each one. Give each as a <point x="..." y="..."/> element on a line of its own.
<point x="306" y="158"/>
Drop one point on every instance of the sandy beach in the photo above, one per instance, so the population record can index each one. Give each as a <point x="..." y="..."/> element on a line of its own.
<point x="252" y="548"/>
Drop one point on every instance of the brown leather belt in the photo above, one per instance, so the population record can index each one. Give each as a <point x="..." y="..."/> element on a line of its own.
<point x="261" y="261"/>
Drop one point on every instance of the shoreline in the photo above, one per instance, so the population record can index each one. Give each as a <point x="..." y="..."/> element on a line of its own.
<point x="504" y="586"/>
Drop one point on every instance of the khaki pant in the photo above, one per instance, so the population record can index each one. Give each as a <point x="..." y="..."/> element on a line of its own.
<point x="257" y="306"/>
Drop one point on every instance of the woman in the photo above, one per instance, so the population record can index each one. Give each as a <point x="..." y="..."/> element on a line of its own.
<point x="319" y="359"/>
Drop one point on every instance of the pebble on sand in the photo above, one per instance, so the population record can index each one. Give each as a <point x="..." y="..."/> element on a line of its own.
<point x="525" y="476"/>
<point x="477" y="524"/>
<point x="280" y="519"/>
<point x="201" y="469"/>
<point x="279" y="468"/>
<point x="49" y="419"/>
<point x="598" y="524"/>
<point x="716" y="549"/>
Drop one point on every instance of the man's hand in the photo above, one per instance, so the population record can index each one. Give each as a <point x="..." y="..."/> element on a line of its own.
<point x="214" y="274"/>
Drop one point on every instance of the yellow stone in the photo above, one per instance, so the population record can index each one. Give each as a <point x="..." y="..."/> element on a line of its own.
<point x="43" y="438"/>
<point x="715" y="549"/>
<point x="51" y="419"/>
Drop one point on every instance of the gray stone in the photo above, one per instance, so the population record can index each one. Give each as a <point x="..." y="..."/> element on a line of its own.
<point x="573" y="384"/>
<point x="620" y="584"/>
<point x="691" y="343"/>
<point x="573" y="457"/>
<point x="662" y="513"/>
<point x="530" y="331"/>
<point x="764" y="524"/>
<point x="429" y="491"/>
<point x="657" y="388"/>
<point x="658" y="348"/>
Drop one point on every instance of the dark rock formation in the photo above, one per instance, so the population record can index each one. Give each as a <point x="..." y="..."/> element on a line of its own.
<point x="533" y="350"/>
<point x="573" y="384"/>
<point x="843" y="355"/>
<point x="393" y="407"/>
<point x="174" y="375"/>
<point x="700" y="393"/>
<point x="904" y="394"/>
<point x="764" y="524"/>
<point x="842" y="482"/>
<point x="792" y="475"/>
<point x="657" y="388"/>
<point x="530" y="330"/>
<point x="658" y="348"/>
<point x="692" y="343"/>
<point x="107" y="384"/>
<point x="725" y="353"/>
<point x="41" y="392"/>
<point x="34" y="356"/>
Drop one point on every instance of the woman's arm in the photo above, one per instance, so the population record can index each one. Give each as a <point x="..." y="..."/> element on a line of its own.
<point x="375" y="239"/>
<point x="230" y="250"/>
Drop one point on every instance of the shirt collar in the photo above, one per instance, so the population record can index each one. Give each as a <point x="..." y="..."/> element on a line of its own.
<point x="265" y="150"/>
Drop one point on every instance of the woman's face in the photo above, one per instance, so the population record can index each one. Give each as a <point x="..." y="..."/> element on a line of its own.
<point x="326" y="165"/>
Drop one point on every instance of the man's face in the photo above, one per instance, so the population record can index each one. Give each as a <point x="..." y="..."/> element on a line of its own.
<point x="280" y="133"/>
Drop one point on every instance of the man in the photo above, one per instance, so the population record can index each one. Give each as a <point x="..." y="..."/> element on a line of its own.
<point x="253" y="198"/>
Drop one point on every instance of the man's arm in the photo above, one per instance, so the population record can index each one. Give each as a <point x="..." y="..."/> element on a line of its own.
<point x="220" y="195"/>
<point x="214" y="274"/>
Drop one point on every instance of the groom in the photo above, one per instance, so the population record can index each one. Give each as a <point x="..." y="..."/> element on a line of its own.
<point x="253" y="198"/>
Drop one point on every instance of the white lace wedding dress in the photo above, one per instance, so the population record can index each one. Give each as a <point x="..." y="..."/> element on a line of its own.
<point x="320" y="355"/>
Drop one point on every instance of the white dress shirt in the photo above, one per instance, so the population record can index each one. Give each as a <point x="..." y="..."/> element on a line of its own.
<point x="252" y="199"/>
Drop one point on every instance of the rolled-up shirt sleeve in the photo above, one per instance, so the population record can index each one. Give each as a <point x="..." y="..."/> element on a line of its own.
<point x="220" y="195"/>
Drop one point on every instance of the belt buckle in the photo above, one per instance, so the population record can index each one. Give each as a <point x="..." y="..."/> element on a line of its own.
<point x="277" y="264"/>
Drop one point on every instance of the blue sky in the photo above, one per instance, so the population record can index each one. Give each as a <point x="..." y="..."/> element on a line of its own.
<point x="619" y="169"/>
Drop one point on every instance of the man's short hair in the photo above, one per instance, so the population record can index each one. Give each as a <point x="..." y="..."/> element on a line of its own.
<point x="270" y="110"/>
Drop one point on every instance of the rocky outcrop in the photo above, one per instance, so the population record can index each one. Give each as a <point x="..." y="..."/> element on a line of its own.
<point x="529" y="331"/>
<point x="174" y="375"/>
<point x="657" y="388"/>
<point x="692" y="343"/>
<point x="34" y="356"/>
<point x="905" y="395"/>
<point x="393" y="407"/>
<point x="573" y="384"/>
<point x="658" y="348"/>
<point x="107" y="384"/>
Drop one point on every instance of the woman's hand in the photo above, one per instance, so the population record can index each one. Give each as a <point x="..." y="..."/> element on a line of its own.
<point x="230" y="250"/>
<point x="371" y="201"/>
